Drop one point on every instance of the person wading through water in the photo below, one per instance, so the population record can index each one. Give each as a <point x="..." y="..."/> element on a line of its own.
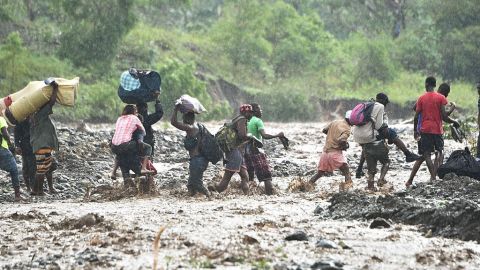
<point x="7" y="160"/>
<point x="443" y="89"/>
<point x="255" y="158"/>
<point x="44" y="141"/>
<point x="332" y="157"/>
<point x="24" y="148"/>
<point x="234" y="160"/>
<point x="390" y="135"/>
<point x="198" y="163"/>
<point x="127" y="142"/>
<point x="147" y="121"/>
<point x="431" y="106"/>
<point x="371" y="137"/>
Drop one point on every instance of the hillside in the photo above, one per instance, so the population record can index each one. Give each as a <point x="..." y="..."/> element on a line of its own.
<point x="290" y="56"/>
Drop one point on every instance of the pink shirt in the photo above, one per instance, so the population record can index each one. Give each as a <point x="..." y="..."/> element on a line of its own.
<point x="124" y="128"/>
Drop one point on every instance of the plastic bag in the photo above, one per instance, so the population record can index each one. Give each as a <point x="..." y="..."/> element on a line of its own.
<point x="461" y="163"/>
<point x="190" y="104"/>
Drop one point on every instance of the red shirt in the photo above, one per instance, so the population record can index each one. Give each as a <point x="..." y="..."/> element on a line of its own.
<point x="124" y="128"/>
<point x="429" y="105"/>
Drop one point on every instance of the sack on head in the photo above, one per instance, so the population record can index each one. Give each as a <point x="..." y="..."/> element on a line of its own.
<point x="209" y="147"/>
<point x="361" y="114"/>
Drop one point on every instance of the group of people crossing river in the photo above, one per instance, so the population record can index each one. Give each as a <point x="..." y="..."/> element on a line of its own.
<point x="240" y="143"/>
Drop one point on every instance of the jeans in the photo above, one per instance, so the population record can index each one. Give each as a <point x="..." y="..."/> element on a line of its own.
<point x="8" y="164"/>
<point x="197" y="167"/>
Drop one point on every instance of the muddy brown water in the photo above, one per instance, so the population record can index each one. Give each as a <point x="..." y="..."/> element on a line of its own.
<point x="231" y="231"/>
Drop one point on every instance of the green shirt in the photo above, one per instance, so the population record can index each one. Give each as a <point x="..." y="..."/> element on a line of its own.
<point x="3" y="124"/>
<point x="42" y="131"/>
<point x="254" y="126"/>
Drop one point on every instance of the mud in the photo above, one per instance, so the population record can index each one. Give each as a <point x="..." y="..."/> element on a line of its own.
<point x="92" y="223"/>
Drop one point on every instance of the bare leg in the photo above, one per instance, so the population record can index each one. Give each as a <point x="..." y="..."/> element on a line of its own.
<point x="113" y="175"/>
<point x="438" y="162"/>
<point x="415" y="168"/>
<point x="268" y="187"/>
<point x="316" y="177"/>
<point x="38" y="188"/>
<point x="244" y="178"/>
<point x="222" y="186"/>
<point x="399" y="143"/>
<point x="346" y="172"/>
<point x="359" y="172"/>
<point x="383" y="173"/>
<point x="428" y="159"/>
<point x="49" y="176"/>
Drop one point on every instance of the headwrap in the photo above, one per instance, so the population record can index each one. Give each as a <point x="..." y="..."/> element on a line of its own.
<point x="246" y="108"/>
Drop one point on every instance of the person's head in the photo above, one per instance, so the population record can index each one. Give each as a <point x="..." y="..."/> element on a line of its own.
<point x="444" y="89"/>
<point x="189" y="118"/>
<point x="246" y="110"/>
<point x="257" y="110"/>
<point x="142" y="107"/>
<point x="347" y="117"/>
<point x="478" y="87"/>
<point x="430" y="83"/>
<point x="129" y="109"/>
<point x="382" y="98"/>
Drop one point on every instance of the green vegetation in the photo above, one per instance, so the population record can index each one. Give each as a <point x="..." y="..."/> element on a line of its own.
<point x="285" y="54"/>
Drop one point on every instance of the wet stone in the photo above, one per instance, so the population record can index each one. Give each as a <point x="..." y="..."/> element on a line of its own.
<point x="379" y="223"/>
<point x="324" y="243"/>
<point x="297" y="236"/>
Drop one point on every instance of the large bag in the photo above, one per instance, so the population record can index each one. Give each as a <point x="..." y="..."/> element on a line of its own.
<point x="208" y="146"/>
<point x="227" y="137"/>
<point x="461" y="163"/>
<point x="25" y="102"/>
<point x="190" y="104"/>
<point x="361" y="114"/>
<point x="150" y="82"/>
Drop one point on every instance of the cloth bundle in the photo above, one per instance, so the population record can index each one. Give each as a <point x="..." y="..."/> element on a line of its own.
<point x="190" y="104"/>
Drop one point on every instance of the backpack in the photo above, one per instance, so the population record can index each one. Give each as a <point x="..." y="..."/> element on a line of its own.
<point x="227" y="137"/>
<point x="461" y="163"/>
<point x="361" y="114"/>
<point x="208" y="145"/>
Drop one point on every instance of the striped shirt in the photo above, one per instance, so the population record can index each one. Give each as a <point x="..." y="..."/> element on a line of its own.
<point x="128" y="82"/>
<point x="124" y="128"/>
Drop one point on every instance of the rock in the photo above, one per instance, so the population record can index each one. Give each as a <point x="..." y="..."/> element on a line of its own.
<point x="379" y="223"/>
<point x="324" y="243"/>
<point x="318" y="210"/>
<point x="297" y="236"/>
<point x="327" y="264"/>
<point x="250" y="240"/>
<point x="87" y="220"/>
<point x="343" y="245"/>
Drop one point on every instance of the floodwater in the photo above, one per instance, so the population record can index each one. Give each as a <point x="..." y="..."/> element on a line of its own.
<point x="230" y="231"/>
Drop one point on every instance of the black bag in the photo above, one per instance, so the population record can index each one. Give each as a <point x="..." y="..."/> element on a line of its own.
<point x="461" y="163"/>
<point x="150" y="82"/>
<point x="209" y="147"/>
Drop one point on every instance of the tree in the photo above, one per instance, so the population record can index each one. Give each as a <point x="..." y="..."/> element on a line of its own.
<point x="93" y="30"/>
<point x="12" y="65"/>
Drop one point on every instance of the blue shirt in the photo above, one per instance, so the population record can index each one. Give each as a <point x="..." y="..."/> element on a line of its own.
<point x="128" y="82"/>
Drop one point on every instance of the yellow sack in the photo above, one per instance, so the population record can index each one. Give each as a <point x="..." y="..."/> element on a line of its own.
<point x="36" y="94"/>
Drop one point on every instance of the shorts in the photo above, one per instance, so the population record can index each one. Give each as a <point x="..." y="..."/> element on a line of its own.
<point x="330" y="161"/>
<point x="430" y="143"/>
<point x="45" y="162"/>
<point x="257" y="163"/>
<point x="375" y="152"/>
<point x="234" y="161"/>
<point x="391" y="135"/>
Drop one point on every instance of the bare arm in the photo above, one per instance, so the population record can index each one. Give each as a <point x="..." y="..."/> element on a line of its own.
<point x="446" y="117"/>
<point x="6" y="136"/>
<point x="53" y="97"/>
<point x="269" y="136"/>
<point x="179" y="125"/>
<point x="451" y="109"/>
